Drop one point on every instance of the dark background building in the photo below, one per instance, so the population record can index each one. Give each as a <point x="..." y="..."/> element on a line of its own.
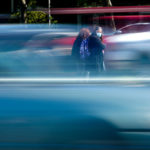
<point x="10" y="6"/>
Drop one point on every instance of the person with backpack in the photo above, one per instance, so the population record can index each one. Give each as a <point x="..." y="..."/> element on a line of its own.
<point x="80" y="51"/>
<point x="96" y="47"/>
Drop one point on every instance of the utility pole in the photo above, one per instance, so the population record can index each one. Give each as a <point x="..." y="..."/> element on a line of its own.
<point x="49" y="11"/>
<point x="12" y="6"/>
<point x="23" y="11"/>
<point x="109" y="4"/>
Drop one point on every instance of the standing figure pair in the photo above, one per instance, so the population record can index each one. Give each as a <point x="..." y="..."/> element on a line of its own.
<point x="87" y="51"/>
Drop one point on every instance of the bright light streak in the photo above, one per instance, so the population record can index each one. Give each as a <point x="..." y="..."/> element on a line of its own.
<point x="130" y="37"/>
<point x="77" y="80"/>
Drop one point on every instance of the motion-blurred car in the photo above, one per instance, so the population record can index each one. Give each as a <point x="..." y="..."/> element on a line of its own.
<point x="122" y="20"/>
<point x="129" y="47"/>
<point x="34" y="50"/>
<point x="45" y="116"/>
<point x="58" y="43"/>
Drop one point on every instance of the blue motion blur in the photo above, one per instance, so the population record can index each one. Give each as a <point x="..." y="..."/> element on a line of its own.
<point x="44" y="51"/>
<point x="40" y="112"/>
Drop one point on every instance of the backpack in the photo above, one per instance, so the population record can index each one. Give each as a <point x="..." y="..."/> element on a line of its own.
<point x="84" y="51"/>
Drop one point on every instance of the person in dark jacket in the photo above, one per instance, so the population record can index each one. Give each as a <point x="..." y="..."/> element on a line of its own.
<point x="79" y="59"/>
<point x="96" y="48"/>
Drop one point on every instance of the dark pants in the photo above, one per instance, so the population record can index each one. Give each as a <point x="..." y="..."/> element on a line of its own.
<point x="82" y="67"/>
<point x="95" y="65"/>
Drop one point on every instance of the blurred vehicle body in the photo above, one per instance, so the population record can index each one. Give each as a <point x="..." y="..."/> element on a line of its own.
<point x="129" y="47"/>
<point x="122" y="20"/>
<point x="58" y="43"/>
<point x="35" y="50"/>
<point x="44" y="116"/>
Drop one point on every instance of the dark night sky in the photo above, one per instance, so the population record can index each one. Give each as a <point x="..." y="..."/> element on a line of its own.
<point x="72" y="3"/>
<point x="130" y="2"/>
<point x="5" y="7"/>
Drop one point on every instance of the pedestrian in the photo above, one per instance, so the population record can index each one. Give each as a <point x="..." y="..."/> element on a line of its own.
<point x="96" y="47"/>
<point x="80" y="52"/>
